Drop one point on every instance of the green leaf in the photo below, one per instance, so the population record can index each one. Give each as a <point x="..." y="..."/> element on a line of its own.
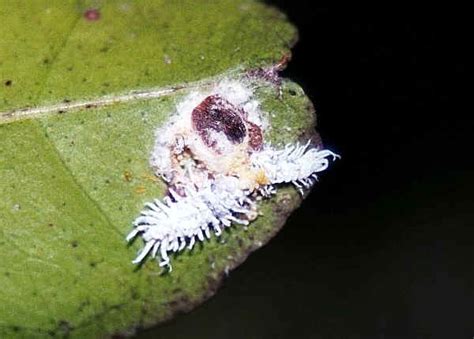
<point x="80" y="98"/>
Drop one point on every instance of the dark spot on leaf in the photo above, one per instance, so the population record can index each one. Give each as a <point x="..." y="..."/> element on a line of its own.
<point x="15" y="328"/>
<point x="74" y="243"/>
<point x="8" y="83"/>
<point x="61" y="111"/>
<point x="292" y="92"/>
<point x="83" y="305"/>
<point x="127" y="176"/>
<point x="50" y="224"/>
<point x="92" y="14"/>
<point x="106" y="84"/>
<point x="70" y="68"/>
<point x="45" y="61"/>
<point x="93" y="264"/>
<point x="109" y="115"/>
<point x="66" y="101"/>
<point x="107" y="181"/>
<point x="7" y="274"/>
<point x="104" y="49"/>
<point x="135" y="295"/>
<point x="64" y="327"/>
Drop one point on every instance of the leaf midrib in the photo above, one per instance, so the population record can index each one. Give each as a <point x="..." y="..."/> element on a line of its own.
<point x="65" y="107"/>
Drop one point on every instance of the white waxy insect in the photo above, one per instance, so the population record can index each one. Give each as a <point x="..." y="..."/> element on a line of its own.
<point x="214" y="159"/>
<point x="296" y="164"/>
<point x="179" y="221"/>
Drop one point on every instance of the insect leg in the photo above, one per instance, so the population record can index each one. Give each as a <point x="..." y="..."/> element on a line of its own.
<point x="144" y="252"/>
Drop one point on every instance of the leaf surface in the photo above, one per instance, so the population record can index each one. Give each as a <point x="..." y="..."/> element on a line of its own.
<point x="83" y="89"/>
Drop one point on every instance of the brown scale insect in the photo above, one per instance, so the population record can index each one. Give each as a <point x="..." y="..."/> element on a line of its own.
<point x="270" y="74"/>
<point x="255" y="136"/>
<point x="218" y="114"/>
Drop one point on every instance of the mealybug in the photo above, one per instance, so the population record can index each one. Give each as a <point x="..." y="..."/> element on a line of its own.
<point x="214" y="158"/>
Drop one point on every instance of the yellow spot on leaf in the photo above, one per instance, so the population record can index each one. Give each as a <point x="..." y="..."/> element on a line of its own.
<point x="127" y="176"/>
<point x="140" y="190"/>
<point x="150" y="177"/>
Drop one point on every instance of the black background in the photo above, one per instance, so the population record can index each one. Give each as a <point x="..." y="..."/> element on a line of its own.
<point x="384" y="245"/>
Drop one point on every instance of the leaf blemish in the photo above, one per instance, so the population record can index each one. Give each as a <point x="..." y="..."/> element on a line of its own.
<point x="92" y="14"/>
<point x="127" y="176"/>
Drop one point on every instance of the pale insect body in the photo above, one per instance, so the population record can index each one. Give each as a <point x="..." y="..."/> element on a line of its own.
<point x="296" y="164"/>
<point x="174" y="224"/>
<point x="216" y="169"/>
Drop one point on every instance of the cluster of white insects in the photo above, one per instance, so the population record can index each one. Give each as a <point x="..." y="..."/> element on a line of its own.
<point x="213" y="157"/>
